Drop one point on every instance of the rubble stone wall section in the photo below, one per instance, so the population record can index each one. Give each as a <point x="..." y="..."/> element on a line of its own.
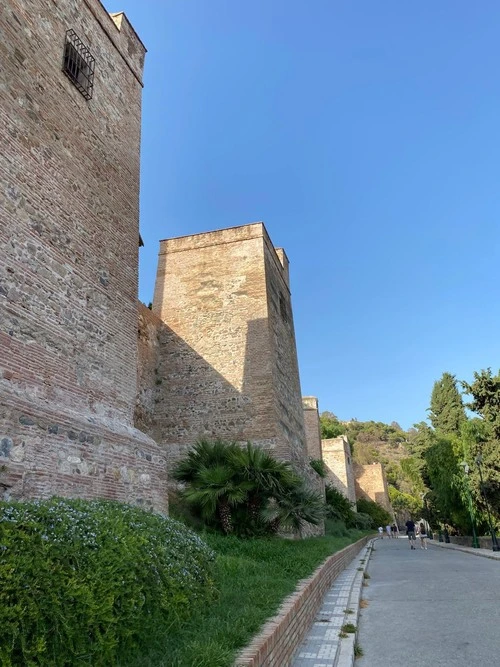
<point x="228" y="362"/>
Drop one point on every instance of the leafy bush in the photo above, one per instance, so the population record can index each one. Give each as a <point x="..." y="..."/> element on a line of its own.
<point x="379" y="515"/>
<point x="83" y="582"/>
<point x="245" y="490"/>
<point x="363" y="521"/>
<point x="319" y="466"/>
<point x="339" y="507"/>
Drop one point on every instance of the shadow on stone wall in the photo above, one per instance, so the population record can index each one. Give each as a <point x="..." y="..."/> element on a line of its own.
<point x="182" y="398"/>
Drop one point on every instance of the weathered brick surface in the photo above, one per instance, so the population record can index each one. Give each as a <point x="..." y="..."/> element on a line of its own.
<point x="148" y="359"/>
<point x="280" y="637"/>
<point x="69" y="195"/>
<point x="312" y="427"/>
<point x="337" y="458"/>
<point x="371" y="483"/>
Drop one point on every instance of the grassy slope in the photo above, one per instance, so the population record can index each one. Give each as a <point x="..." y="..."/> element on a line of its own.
<point x="253" y="577"/>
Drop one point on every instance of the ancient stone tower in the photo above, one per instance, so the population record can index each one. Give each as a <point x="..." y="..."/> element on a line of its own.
<point x="228" y="362"/>
<point x="371" y="483"/>
<point x="69" y="186"/>
<point x="312" y="426"/>
<point x="337" y="458"/>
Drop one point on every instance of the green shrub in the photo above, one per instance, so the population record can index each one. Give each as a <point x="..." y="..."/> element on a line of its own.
<point x="84" y="582"/>
<point x="320" y="467"/>
<point x="379" y="515"/>
<point x="339" y="507"/>
<point x="363" y="521"/>
<point x="245" y="490"/>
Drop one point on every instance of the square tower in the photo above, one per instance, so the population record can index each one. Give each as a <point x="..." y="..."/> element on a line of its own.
<point x="228" y="364"/>
<point x="70" y="124"/>
<point x="338" y="460"/>
<point x="312" y="426"/>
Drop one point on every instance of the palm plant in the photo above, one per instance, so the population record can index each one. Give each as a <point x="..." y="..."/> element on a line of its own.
<point x="215" y="491"/>
<point x="245" y="489"/>
<point x="269" y="477"/>
<point x="297" y="506"/>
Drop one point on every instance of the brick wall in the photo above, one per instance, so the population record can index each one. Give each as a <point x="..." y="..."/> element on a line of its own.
<point x="280" y="637"/>
<point x="148" y="360"/>
<point x="371" y="483"/>
<point x="69" y="201"/>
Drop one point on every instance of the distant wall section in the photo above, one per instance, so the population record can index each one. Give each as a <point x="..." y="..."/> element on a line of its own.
<point x="371" y="483"/>
<point x="312" y="426"/>
<point x="337" y="458"/>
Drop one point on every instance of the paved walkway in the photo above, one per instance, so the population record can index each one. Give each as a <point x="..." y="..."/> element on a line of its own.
<point x="430" y="608"/>
<point x="323" y="647"/>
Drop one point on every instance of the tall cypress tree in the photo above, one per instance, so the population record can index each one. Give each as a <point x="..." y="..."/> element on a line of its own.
<point x="447" y="409"/>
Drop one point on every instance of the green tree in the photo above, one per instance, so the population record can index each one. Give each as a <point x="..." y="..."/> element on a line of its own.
<point x="485" y="392"/>
<point x="447" y="411"/>
<point x="330" y="426"/>
<point x="446" y="479"/>
<point x="379" y="514"/>
<point x="404" y="505"/>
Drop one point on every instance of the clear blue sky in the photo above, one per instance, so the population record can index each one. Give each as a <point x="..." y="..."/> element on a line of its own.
<point x="366" y="136"/>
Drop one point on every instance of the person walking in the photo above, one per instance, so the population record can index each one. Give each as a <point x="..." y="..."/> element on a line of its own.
<point x="410" y="531"/>
<point x="388" y="530"/>
<point x="381" y="532"/>
<point x="422" y="531"/>
<point x="395" y="531"/>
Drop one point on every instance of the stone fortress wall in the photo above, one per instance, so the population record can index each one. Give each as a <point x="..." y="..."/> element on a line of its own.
<point x="338" y="460"/>
<point x="227" y="365"/>
<point x="99" y="396"/>
<point x="69" y="207"/>
<point x="312" y="426"/>
<point x="371" y="483"/>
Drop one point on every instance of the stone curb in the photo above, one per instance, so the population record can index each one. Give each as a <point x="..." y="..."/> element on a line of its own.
<point x="466" y="550"/>
<point x="345" y="654"/>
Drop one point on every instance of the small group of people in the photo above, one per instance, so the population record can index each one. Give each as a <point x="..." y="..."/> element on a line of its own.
<point x="420" y="532"/>
<point x="412" y="531"/>
<point x="391" y="531"/>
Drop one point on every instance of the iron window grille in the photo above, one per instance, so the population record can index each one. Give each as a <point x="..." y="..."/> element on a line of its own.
<point x="78" y="64"/>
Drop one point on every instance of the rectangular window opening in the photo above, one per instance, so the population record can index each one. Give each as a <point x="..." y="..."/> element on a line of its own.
<point x="78" y="64"/>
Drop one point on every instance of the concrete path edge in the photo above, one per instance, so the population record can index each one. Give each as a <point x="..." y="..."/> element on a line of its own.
<point x="345" y="655"/>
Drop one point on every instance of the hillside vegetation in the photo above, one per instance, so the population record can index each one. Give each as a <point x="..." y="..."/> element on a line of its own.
<point x="448" y="471"/>
<point x="389" y="444"/>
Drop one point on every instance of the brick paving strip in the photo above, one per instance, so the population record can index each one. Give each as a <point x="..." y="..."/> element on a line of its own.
<point x="277" y="642"/>
<point x="323" y="647"/>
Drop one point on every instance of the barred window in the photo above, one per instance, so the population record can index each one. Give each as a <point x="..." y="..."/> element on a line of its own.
<point x="78" y="64"/>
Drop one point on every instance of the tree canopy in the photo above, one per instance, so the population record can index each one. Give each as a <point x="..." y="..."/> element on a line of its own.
<point x="447" y="411"/>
